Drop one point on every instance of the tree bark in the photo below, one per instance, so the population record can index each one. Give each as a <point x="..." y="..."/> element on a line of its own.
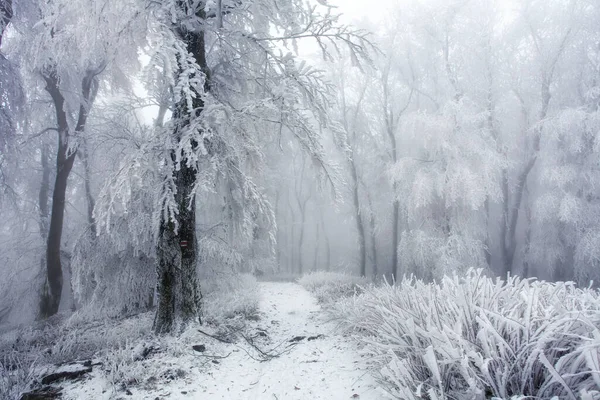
<point x="65" y="157"/>
<point x="178" y="290"/>
<point x="179" y="296"/>
<point x="44" y="192"/>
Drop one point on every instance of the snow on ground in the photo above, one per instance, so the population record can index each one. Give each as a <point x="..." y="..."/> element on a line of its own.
<point x="327" y="367"/>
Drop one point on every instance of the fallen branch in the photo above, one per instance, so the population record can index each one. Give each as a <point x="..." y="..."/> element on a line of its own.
<point x="213" y="356"/>
<point x="215" y="337"/>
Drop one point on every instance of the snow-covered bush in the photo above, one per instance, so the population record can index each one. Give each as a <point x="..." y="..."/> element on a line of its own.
<point x="476" y="338"/>
<point x="227" y="295"/>
<point x="16" y="375"/>
<point x="331" y="286"/>
<point x="114" y="273"/>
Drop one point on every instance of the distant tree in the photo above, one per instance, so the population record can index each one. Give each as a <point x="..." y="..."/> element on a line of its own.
<point x="70" y="44"/>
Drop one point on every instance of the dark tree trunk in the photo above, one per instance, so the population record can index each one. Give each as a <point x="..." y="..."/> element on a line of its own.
<point x="44" y="192"/>
<point x="179" y="295"/>
<point x="178" y="289"/>
<point x="43" y="200"/>
<point x="50" y="299"/>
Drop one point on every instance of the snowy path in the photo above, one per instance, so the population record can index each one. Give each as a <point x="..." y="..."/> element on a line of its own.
<point x="326" y="368"/>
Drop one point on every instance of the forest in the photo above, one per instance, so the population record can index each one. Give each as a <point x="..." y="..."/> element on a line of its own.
<point x="199" y="187"/>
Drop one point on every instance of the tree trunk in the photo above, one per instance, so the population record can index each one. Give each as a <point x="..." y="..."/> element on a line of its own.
<point x="44" y="211"/>
<point x="302" y="206"/>
<point x="292" y="242"/>
<point x="278" y="233"/>
<point x="327" y="244"/>
<point x="50" y="299"/>
<point x="44" y="192"/>
<point x="351" y="131"/>
<point x="316" y="253"/>
<point x="360" y="227"/>
<point x="395" y="242"/>
<point x="527" y="243"/>
<point x="178" y="288"/>
<point x="547" y="77"/>
<point x="391" y="121"/>
<point x="375" y="270"/>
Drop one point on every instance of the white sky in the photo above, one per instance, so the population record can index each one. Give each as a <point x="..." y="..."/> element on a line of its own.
<point x="374" y="10"/>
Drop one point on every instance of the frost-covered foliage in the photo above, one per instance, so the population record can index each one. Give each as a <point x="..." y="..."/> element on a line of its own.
<point x="25" y="353"/>
<point x="229" y="296"/>
<point x="74" y="37"/>
<point x="443" y="182"/>
<point x="63" y="340"/>
<point x="16" y="375"/>
<point x="475" y="337"/>
<point x="114" y="272"/>
<point x="329" y="287"/>
<point x="13" y="101"/>
<point x="253" y="90"/>
<point x="112" y="279"/>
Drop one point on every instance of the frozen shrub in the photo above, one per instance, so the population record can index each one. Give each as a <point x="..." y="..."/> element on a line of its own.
<point x="227" y="295"/>
<point x="331" y="286"/>
<point x="16" y="375"/>
<point x="112" y="279"/>
<point x="478" y="338"/>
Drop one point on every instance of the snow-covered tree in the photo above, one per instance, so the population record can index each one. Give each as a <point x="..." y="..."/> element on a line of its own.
<point x="236" y="81"/>
<point x="69" y="45"/>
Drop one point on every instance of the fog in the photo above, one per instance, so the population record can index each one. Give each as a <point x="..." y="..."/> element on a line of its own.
<point x="405" y="138"/>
